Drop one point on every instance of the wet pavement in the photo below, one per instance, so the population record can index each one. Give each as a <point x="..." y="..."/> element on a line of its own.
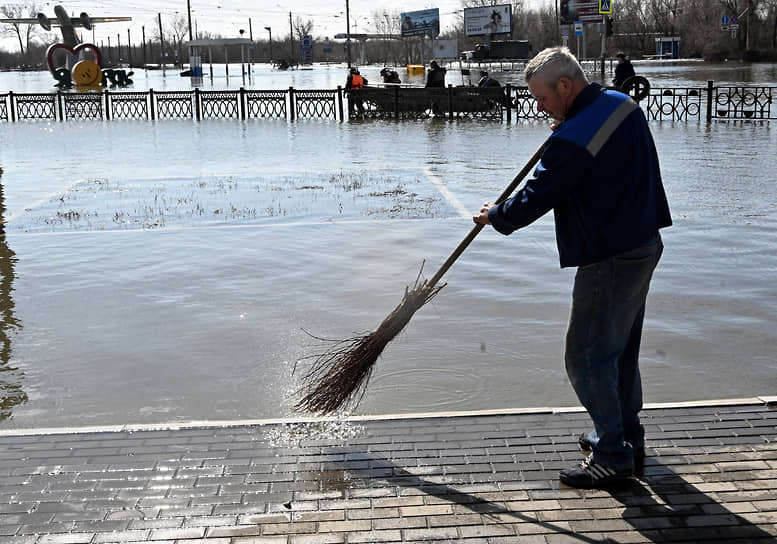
<point x="475" y="477"/>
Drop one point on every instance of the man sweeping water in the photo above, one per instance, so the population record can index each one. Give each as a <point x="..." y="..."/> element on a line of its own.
<point x="599" y="173"/>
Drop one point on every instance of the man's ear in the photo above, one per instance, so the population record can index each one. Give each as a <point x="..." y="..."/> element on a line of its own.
<point x="564" y="86"/>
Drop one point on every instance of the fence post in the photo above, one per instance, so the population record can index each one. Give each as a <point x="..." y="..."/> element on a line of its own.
<point x="243" y="103"/>
<point x="197" y="112"/>
<point x="508" y="102"/>
<point x="291" y="103"/>
<point x="151" y="104"/>
<point x="396" y="102"/>
<point x="107" y="106"/>
<point x="12" y="106"/>
<point x="450" y="100"/>
<point x="59" y="107"/>
<point x="709" y="101"/>
<point x="340" y="102"/>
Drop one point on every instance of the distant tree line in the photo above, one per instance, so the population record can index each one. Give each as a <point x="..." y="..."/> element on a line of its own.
<point x="636" y="25"/>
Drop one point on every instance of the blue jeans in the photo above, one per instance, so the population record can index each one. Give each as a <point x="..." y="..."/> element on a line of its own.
<point x="602" y="349"/>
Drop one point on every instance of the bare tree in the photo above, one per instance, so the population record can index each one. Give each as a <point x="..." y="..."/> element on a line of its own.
<point x="178" y="29"/>
<point x="302" y="27"/>
<point x="24" y="32"/>
<point x="389" y="50"/>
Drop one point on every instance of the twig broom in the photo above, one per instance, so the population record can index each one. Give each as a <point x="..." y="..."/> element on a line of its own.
<point x="338" y="377"/>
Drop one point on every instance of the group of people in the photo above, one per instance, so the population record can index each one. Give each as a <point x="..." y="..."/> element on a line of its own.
<point x="435" y="78"/>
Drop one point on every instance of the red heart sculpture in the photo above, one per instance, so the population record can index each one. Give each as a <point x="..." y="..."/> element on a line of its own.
<point x="72" y="52"/>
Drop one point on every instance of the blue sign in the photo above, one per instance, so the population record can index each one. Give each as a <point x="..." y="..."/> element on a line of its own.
<point x="724" y="20"/>
<point x="578" y="28"/>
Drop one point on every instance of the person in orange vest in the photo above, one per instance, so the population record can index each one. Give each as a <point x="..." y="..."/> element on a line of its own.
<point x="355" y="81"/>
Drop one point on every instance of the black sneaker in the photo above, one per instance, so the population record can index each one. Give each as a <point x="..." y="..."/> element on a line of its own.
<point x="590" y="474"/>
<point x="639" y="454"/>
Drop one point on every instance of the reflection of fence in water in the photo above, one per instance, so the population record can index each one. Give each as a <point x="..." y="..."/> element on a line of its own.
<point x="672" y="104"/>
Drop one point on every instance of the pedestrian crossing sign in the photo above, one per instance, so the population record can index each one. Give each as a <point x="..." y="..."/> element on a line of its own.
<point x="605" y="6"/>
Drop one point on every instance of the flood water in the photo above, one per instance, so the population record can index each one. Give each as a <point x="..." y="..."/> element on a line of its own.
<point x="172" y="270"/>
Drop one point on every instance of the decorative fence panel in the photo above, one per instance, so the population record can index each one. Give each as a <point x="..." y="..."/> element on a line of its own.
<point x="174" y="104"/>
<point x="673" y="104"/>
<point x="743" y="103"/>
<point x="316" y="103"/>
<point x="128" y="105"/>
<point x="4" y="107"/>
<point x="218" y="104"/>
<point x="83" y="105"/>
<point x="35" y="106"/>
<point x="265" y="104"/>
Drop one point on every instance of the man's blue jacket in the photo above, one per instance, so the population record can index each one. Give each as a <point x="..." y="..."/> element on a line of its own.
<point x="599" y="173"/>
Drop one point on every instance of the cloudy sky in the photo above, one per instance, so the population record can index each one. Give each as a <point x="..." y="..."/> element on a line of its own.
<point x="228" y="17"/>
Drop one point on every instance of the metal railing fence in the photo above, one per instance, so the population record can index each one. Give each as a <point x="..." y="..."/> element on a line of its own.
<point x="745" y="103"/>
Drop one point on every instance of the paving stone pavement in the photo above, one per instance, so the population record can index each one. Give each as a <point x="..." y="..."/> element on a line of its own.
<point x="474" y="478"/>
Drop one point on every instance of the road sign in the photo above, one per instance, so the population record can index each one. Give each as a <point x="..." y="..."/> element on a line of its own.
<point x="724" y="28"/>
<point x="565" y="32"/>
<point x="605" y="6"/>
<point x="578" y="28"/>
<point x="724" y="20"/>
<point x="735" y="20"/>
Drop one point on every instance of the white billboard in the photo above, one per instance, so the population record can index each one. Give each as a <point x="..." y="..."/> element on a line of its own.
<point x="488" y="21"/>
<point x="446" y="49"/>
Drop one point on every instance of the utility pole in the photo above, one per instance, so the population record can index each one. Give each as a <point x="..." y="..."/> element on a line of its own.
<point x="269" y="29"/>
<point x="604" y="41"/>
<point x="250" y="30"/>
<point x="143" y="29"/>
<point x="189" y="11"/>
<point x="161" y="42"/>
<point x="129" y="49"/>
<point x="118" y="48"/>
<point x="291" y="39"/>
<point x="347" y="33"/>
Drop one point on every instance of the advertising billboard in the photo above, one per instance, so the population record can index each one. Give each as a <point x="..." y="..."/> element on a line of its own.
<point x="488" y="21"/>
<point x="577" y="10"/>
<point x="421" y="23"/>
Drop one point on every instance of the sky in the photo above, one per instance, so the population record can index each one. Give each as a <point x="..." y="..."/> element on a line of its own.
<point x="228" y="17"/>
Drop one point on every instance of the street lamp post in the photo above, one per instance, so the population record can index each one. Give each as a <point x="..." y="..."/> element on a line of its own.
<point x="269" y="29"/>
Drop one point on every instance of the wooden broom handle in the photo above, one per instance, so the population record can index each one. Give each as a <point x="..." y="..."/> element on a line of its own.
<point x="477" y="228"/>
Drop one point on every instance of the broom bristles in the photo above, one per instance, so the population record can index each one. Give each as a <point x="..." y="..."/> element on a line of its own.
<point x="338" y="377"/>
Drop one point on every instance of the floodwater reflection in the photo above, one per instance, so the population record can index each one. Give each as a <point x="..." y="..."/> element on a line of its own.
<point x="11" y="392"/>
